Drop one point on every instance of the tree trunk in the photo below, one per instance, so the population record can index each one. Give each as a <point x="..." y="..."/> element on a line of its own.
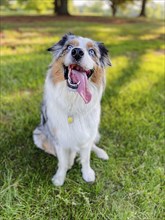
<point x="55" y="8"/>
<point x="114" y="9"/>
<point x="61" y="7"/>
<point x="143" y="9"/>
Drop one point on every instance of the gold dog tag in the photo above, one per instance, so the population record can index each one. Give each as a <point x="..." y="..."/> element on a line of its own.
<point x="70" y="119"/>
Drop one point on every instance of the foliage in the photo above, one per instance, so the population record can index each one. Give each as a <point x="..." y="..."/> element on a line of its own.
<point x="4" y="2"/>
<point x="130" y="184"/>
<point x="38" y="5"/>
<point x="131" y="8"/>
<point x="96" y="7"/>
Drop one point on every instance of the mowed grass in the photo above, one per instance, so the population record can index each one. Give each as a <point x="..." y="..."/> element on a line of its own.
<point x="128" y="186"/>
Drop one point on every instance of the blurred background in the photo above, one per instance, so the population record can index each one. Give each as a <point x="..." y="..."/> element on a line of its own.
<point x="119" y="8"/>
<point x="130" y="185"/>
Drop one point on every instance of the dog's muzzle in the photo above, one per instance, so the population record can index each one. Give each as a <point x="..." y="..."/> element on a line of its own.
<point x="77" y="78"/>
<point x="77" y="53"/>
<point x="78" y="68"/>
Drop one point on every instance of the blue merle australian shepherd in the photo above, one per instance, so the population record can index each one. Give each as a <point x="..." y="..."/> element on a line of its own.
<point x="71" y="106"/>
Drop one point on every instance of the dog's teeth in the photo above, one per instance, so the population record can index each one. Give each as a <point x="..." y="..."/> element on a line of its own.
<point x="72" y="84"/>
<point x="70" y="70"/>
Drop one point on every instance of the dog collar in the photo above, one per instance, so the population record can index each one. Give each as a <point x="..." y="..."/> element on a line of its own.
<point x="70" y="119"/>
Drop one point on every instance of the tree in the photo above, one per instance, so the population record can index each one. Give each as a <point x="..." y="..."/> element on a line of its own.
<point x="37" y="5"/>
<point x="4" y="3"/>
<point x="115" y="3"/>
<point x="143" y="9"/>
<point x="61" y="7"/>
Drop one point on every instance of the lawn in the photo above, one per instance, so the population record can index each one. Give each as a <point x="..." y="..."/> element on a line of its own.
<point x="129" y="186"/>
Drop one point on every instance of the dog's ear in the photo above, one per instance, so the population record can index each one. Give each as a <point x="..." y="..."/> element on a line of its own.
<point x="60" y="43"/>
<point x="104" y="58"/>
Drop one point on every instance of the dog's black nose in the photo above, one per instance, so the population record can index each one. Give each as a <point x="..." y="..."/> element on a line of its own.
<point x="77" y="53"/>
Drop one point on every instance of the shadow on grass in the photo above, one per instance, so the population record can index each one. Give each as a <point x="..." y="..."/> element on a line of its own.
<point x="128" y="72"/>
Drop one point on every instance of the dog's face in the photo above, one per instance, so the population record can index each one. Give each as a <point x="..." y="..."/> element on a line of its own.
<point x="79" y="61"/>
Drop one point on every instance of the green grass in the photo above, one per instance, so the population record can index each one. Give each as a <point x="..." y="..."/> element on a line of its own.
<point x="130" y="185"/>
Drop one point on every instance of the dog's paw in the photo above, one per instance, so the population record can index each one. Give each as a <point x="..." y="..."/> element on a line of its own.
<point x="102" y="155"/>
<point x="88" y="175"/>
<point x="58" y="180"/>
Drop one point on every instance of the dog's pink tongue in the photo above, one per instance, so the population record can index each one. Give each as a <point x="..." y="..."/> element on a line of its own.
<point x="82" y="87"/>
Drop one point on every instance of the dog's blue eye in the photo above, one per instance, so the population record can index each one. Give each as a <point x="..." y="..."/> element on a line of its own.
<point x="91" y="52"/>
<point x="69" y="47"/>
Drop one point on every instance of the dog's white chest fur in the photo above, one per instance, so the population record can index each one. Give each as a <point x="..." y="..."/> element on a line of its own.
<point x="63" y="104"/>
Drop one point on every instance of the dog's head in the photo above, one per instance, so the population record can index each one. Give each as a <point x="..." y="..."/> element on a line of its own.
<point x="79" y="61"/>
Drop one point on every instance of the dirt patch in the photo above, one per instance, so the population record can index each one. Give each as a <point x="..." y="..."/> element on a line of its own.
<point x="31" y="19"/>
<point x="160" y="52"/>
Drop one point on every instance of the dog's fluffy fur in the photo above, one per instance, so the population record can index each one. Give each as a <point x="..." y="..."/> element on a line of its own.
<point x="71" y="112"/>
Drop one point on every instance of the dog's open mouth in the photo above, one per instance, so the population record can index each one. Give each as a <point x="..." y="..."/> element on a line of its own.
<point x="77" y="79"/>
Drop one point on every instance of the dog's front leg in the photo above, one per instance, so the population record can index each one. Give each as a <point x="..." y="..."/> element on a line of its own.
<point x="63" y="158"/>
<point x="87" y="172"/>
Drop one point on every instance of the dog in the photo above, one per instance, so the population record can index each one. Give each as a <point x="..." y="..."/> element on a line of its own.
<point x="71" y="106"/>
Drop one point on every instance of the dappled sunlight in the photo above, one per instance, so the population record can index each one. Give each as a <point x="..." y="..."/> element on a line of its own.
<point x="18" y="45"/>
<point x="26" y="48"/>
<point x="153" y="35"/>
<point x="118" y="64"/>
<point x="14" y="50"/>
<point x="19" y="95"/>
<point x="29" y="44"/>
<point x="25" y="73"/>
<point x="22" y="40"/>
<point x="132" y="127"/>
<point x="149" y="36"/>
<point x="149" y="72"/>
<point x="10" y="60"/>
<point x="142" y="84"/>
<point x="109" y="34"/>
<point x="22" y="105"/>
